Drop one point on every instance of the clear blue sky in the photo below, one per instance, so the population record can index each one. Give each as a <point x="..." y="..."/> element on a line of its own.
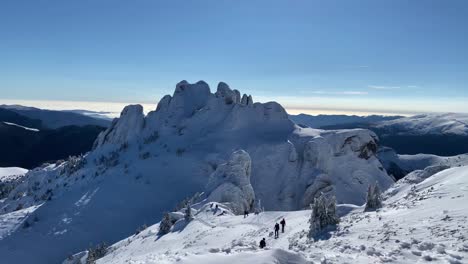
<point x="387" y="56"/>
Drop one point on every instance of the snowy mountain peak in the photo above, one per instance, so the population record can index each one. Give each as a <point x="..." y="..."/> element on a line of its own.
<point x="193" y="107"/>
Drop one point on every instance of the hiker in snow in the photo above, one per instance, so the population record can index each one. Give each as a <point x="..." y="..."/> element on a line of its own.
<point x="283" y="223"/>
<point x="246" y="213"/>
<point x="222" y="213"/>
<point x="276" y="230"/>
<point x="262" y="243"/>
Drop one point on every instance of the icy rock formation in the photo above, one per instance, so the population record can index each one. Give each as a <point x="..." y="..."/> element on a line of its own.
<point x="230" y="183"/>
<point x="230" y="96"/>
<point x="124" y="129"/>
<point x="344" y="163"/>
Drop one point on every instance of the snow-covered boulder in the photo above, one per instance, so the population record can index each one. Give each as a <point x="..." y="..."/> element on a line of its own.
<point x="230" y="183"/>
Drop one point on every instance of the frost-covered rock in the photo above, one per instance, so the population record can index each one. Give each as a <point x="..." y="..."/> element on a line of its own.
<point x="124" y="129"/>
<point x="341" y="162"/>
<point x="230" y="183"/>
<point x="374" y="197"/>
<point x="230" y="96"/>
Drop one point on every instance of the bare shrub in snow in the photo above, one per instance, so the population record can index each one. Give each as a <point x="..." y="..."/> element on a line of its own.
<point x="152" y="138"/>
<point x="374" y="197"/>
<point x="123" y="146"/>
<point x="189" y="200"/>
<point x="95" y="253"/>
<point x="166" y="224"/>
<point x="323" y="214"/>
<point x="73" y="164"/>
<point x="26" y="224"/>
<point x="145" y="155"/>
<point x="111" y="160"/>
<point x="140" y="229"/>
<point x="180" y="151"/>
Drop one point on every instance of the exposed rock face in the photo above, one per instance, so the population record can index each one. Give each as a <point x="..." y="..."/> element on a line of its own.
<point x="341" y="162"/>
<point x="127" y="127"/>
<point x="345" y="163"/>
<point x="230" y="183"/>
<point x="230" y="96"/>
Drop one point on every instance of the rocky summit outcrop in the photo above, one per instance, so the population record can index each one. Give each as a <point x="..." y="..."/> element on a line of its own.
<point x="230" y="183"/>
<point x="124" y="129"/>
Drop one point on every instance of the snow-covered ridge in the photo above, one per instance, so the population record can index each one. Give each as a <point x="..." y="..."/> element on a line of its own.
<point x="449" y="123"/>
<point x="6" y="173"/>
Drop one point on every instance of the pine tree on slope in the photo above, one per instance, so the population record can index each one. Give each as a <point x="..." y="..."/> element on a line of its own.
<point x="323" y="214"/>
<point x="374" y="197"/>
<point x="188" y="213"/>
<point x="166" y="224"/>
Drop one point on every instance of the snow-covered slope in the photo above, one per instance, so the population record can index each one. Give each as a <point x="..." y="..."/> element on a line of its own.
<point x="143" y="165"/>
<point x="450" y="123"/>
<point x="423" y="219"/>
<point x="11" y="171"/>
<point x="400" y="165"/>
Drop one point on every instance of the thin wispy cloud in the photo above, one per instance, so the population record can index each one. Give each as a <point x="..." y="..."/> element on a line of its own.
<point x="339" y="92"/>
<point x="381" y="87"/>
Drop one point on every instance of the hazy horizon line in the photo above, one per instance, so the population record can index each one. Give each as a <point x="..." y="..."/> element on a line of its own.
<point x="113" y="109"/>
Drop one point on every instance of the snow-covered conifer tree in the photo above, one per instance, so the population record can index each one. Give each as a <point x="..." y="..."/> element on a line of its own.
<point x="166" y="224"/>
<point x="188" y="213"/>
<point x="323" y="214"/>
<point x="374" y="197"/>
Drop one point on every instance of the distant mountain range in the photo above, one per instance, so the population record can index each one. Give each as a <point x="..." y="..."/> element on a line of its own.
<point x="320" y="121"/>
<point x="31" y="136"/>
<point x="55" y="119"/>
<point x="439" y="134"/>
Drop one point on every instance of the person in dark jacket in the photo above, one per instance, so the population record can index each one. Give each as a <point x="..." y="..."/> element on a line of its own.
<point x="277" y="230"/>
<point x="283" y="223"/>
<point x="246" y="213"/>
<point x="262" y="243"/>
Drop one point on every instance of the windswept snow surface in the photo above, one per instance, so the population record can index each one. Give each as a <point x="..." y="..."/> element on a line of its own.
<point x="420" y="222"/>
<point x="449" y="123"/>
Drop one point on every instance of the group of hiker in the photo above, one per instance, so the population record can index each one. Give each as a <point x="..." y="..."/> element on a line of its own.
<point x="276" y="228"/>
